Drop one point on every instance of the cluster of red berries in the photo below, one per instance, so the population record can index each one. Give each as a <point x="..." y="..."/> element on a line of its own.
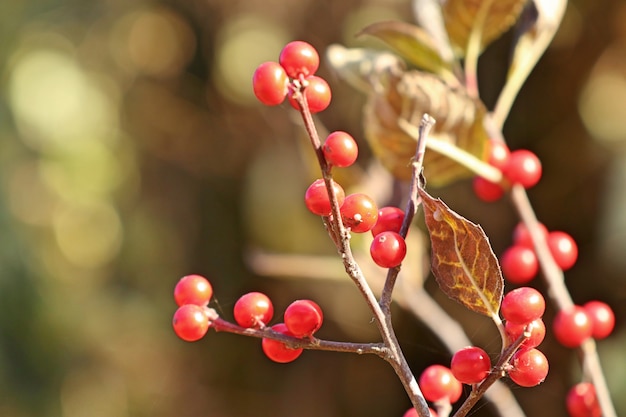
<point x="295" y="70"/>
<point x="253" y="310"/>
<point x="519" y="261"/>
<point x="518" y="167"/>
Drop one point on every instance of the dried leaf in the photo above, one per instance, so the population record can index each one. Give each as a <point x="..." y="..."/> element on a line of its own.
<point x="460" y="15"/>
<point x="462" y="260"/>
<point x="411" y="42"/>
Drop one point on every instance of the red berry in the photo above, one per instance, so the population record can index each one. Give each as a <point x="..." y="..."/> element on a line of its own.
<point x="602" y="318"/>
<point x="270" y="83"/>
<point x="581" y="401"/>
<point x="389" y="220"/>
<point x="388" y="249"/>
<point x="529" y="367"/>
<point x="412" y="412"/>
<point x="317" y="94"/>
<point x="563" y="249"/>
<point x="499" y="154"/>
<point x="278" y="351"/>
<point x="316" y="197"/>
<point x="486" y="190"/>
<point x="537" y="330"/>
<point x="303" y="318"/>
<point x="572" y="326"/>
<point x="523" y="167"/>
<point x="340" y="149"/>
<point x="521" y="235"/>
<point x="470" y="365"/>
<point x="519" y="264"/>
<point x="438" y="384"/>
<point x="253" y="309"/>
<point x="193" y="289"/>
<point x="299" y="58"/>
<point x="523" y="305"/>
<point x="190" y="322"/>
<point x="359" y="212"/>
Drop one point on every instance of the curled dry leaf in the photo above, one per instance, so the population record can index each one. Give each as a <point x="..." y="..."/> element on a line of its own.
<point x="462" y="260"/>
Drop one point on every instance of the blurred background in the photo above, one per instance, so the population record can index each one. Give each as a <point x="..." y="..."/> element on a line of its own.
<point x="132" y="152"/>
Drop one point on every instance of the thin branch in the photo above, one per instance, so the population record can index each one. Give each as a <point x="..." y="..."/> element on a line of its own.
<point x="474" y="44"/>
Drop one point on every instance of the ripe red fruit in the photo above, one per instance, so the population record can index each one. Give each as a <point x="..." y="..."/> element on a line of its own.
<point x="278" y="351"/>
<point x="602" y="318"/>
<point x="470" y="365"/>
<point x="316" y="197"/>
<point x="389" y="220"/>
<point x="253" y="309"/>
<point x="523" y="167"/>
<point x="359" y="212"/>
<point x="299" y="58"/>
<point x="270" y="83"/>
<point x="193" y="289"/>
<point x="499" y="154"/>
<point x="388" y="249"/>
<point x="522" y="305"/>
<point x="303" y="318"/>
<point x="537" y="330"/>
<point x="317" y="93"/>
<point x="519" y="264"/>
<point x="438" y="384"/>
<point x="581" y="401"/>
<point x="529" y="367"/>
<point x="572" y="326"/>
<point x="521" y="235"/>
<point x="563" y="249"/>
<point x="340" y="149"/>
<point x="486" y="190"/>
<point x="190" y="322"/>
<point x="412" y="412"/>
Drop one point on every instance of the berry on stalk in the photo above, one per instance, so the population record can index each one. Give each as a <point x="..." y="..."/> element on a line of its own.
<point x="439" y="384"/>
<point x="193" y="289"/>
<point x="359" y="212"/>
<point x="279" y="351"/>
<point x="537" y="329"/>
<point x="529" y="367"/>
<point x="581" y="401"/>
<point x="523" y="167"/>
<point x="521" y="235"/>
<point x="270" y="83"/>
<point x="486" y="190"/>
<point x="253" y="309"/>
<point x="299" y="58"/>
<point x="470" y="365"/>
<point x="602" y="318"/>
<point x="190" y="322"/>
<point x="340" y="149"/>
<point x="388" y="249"/>
<point x="523" y="305"/>
<point x="519" y="264"/>
<point x="303" y="318"/>
<point x="390" y="219"/>
<point x="563" y="249"/>
<point x="316" y="197"/>
<point x="572" y="326"/>
<point x="317" y="93"/>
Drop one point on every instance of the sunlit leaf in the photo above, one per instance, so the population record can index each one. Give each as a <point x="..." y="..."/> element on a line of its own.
<point x="462" y="260"/>
<point x="411" y="42"/>
<point x="461" y="15"/>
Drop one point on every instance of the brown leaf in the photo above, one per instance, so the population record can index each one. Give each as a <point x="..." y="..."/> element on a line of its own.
<point x="460" y="15"/>
<point x="462" y="260"/>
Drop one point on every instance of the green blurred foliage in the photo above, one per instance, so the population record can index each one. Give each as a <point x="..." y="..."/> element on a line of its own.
<point x="132" y="152"/>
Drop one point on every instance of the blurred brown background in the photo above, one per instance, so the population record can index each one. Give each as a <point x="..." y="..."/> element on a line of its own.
<point x="132" y="153"/>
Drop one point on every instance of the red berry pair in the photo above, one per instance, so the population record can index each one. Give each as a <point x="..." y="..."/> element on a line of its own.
<point x="574" y="325"/>
<point x="192" y="294"/>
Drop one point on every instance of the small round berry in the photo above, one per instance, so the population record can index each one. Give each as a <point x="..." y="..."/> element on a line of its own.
<point x="299" y="58"/>
<point x="412" y="412"/>
<point x="499" y="154"/>
<point x="523" y="167"/>
<point x="572" y="326"/>
<point x="316" y="197"/>
<point x="190" y="322"/>
<point x="390" y="219"/>
<point x="523" y="305"/>
<point x="529" y="367"/>
<point x="602" y="318"/>
<point x="521" y="235"/>
<point x="317" y="93"/>
<point x="193" y="289"/>
<point x="388" y="249"/>
<point x="303" y="318"/>
<point x="486" y="190"/>
<point x="270" y="83"/>
<point x="563" y="249"/>
<point x="359" y="212"/>
<point x="581" y="401"/>
<point x="537" y="329"/>
<point x="470" y="365"/>
<point x="253" y="309"/>
<point x="340" y="149"/>
<point x="279" y="351"/>
<point x="439" y="384"/>
<point x="519" y="264"/>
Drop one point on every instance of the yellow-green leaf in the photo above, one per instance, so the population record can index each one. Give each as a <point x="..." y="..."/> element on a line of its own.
<point x="410" y="42"/>
<point x="462" y="260"/>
